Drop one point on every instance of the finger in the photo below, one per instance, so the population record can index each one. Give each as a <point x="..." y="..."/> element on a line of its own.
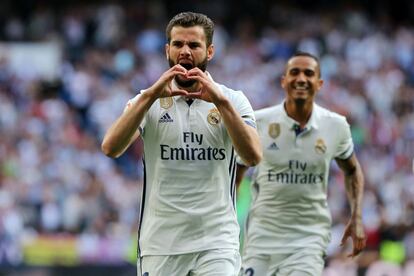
<point x="351" y="255"/>
<point x="344" y="238"/>
<point x="175" y="70"/>
<point x="179" y="93"/>
<point x="354" y="253"/>
<point x="196" y="71"/>
<point x="359" y="238"/>
<point x="169" y="76"/>
<point x="357" y="245"/>
<point x="204" y="81"/>
<point x="196" y="95"/>
<point x="360" y="243"/>
<point x="196" y="77"/>
<point x="179" y="68"/>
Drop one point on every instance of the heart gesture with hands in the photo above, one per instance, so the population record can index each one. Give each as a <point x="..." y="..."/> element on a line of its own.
<point x="162" y="88"/>
<point x="208" y="91"/>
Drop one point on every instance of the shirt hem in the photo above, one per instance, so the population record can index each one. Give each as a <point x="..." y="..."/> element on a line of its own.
<point x="156" y="253"/>
<point x="284" y="250"/>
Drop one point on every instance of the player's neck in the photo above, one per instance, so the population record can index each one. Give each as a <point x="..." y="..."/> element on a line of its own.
<point x="300" y="112"/>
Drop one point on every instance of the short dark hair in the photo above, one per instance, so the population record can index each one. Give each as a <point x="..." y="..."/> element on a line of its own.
<point x="306" y="54"/>
<point x="190" y="19"/>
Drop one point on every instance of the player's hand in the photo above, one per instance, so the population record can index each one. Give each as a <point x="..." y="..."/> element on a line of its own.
<point x="209" y="91"/>
<point x="163" y="86"/>
<point x="355" y="230"/>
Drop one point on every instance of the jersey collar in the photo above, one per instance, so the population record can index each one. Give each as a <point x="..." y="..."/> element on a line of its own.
<point x="312" y="123"/>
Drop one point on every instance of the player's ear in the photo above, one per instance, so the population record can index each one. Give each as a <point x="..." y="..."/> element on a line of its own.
<point x="320" y="84"/>
<point x="283" y="81"/>
<point x="210" y="52"/>
<point x="167" y="50"/>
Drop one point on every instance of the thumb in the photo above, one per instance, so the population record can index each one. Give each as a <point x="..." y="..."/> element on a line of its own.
<point x="196" y="95"/>
<point x="179" y="93"/>
<point x="344" y="238"/>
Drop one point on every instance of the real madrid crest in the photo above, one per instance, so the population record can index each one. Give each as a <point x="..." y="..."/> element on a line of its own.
<point x="213" y="117"/>
<point x="320" y="146"/>
<point x="274" y="130"/>
<point x="166" y="102"/>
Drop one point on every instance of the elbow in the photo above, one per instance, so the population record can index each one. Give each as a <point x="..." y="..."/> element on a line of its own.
<point x="108" y="150"/>
<point x="254" y="159"/>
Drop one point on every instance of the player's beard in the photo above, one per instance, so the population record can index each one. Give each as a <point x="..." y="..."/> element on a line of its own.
<point x="188" y="83"/>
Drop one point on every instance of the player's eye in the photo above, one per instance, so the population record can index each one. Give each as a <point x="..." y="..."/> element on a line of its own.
<point x="177" y="44"/>
<point x="194" y="45"/>
<point x="294" y="72"/>
<point x="309" y="73"/>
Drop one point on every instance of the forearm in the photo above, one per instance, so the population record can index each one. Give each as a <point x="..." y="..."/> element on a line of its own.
<point x="354" y="183"/>
<point x="244" y="137"/>
<point x="123" y="131"/>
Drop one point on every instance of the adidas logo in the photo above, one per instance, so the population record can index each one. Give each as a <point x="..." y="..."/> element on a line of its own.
<point x="166" y="118"/>
<point x="273" y="146"/>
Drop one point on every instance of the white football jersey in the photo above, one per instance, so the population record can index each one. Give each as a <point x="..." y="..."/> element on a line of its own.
<point x="188" y="202"/>
<point x="289" y="188"/>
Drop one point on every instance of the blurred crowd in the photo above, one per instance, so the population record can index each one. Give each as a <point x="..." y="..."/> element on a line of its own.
<point x="55" y="180"/>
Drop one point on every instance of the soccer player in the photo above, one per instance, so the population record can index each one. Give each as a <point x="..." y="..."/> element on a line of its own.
<point x="190" y="126"/>
<point x="288" y="226"/>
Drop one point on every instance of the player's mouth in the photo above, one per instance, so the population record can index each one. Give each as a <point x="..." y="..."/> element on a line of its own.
<point x="301" y="87"/>
<point x="187" y="64"/>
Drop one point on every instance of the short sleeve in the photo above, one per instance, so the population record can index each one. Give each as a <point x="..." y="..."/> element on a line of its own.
<point x="345" y="146"/>
<point x="129" y="104"/>
<point x="243" y="106"/>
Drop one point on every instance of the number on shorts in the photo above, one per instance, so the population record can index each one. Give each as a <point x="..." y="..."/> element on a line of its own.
<point x="249" y="272"/>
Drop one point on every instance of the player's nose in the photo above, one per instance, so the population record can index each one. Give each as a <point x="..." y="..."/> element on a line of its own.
<point x="301" y="78"/>
<point x="185" y="51"/>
